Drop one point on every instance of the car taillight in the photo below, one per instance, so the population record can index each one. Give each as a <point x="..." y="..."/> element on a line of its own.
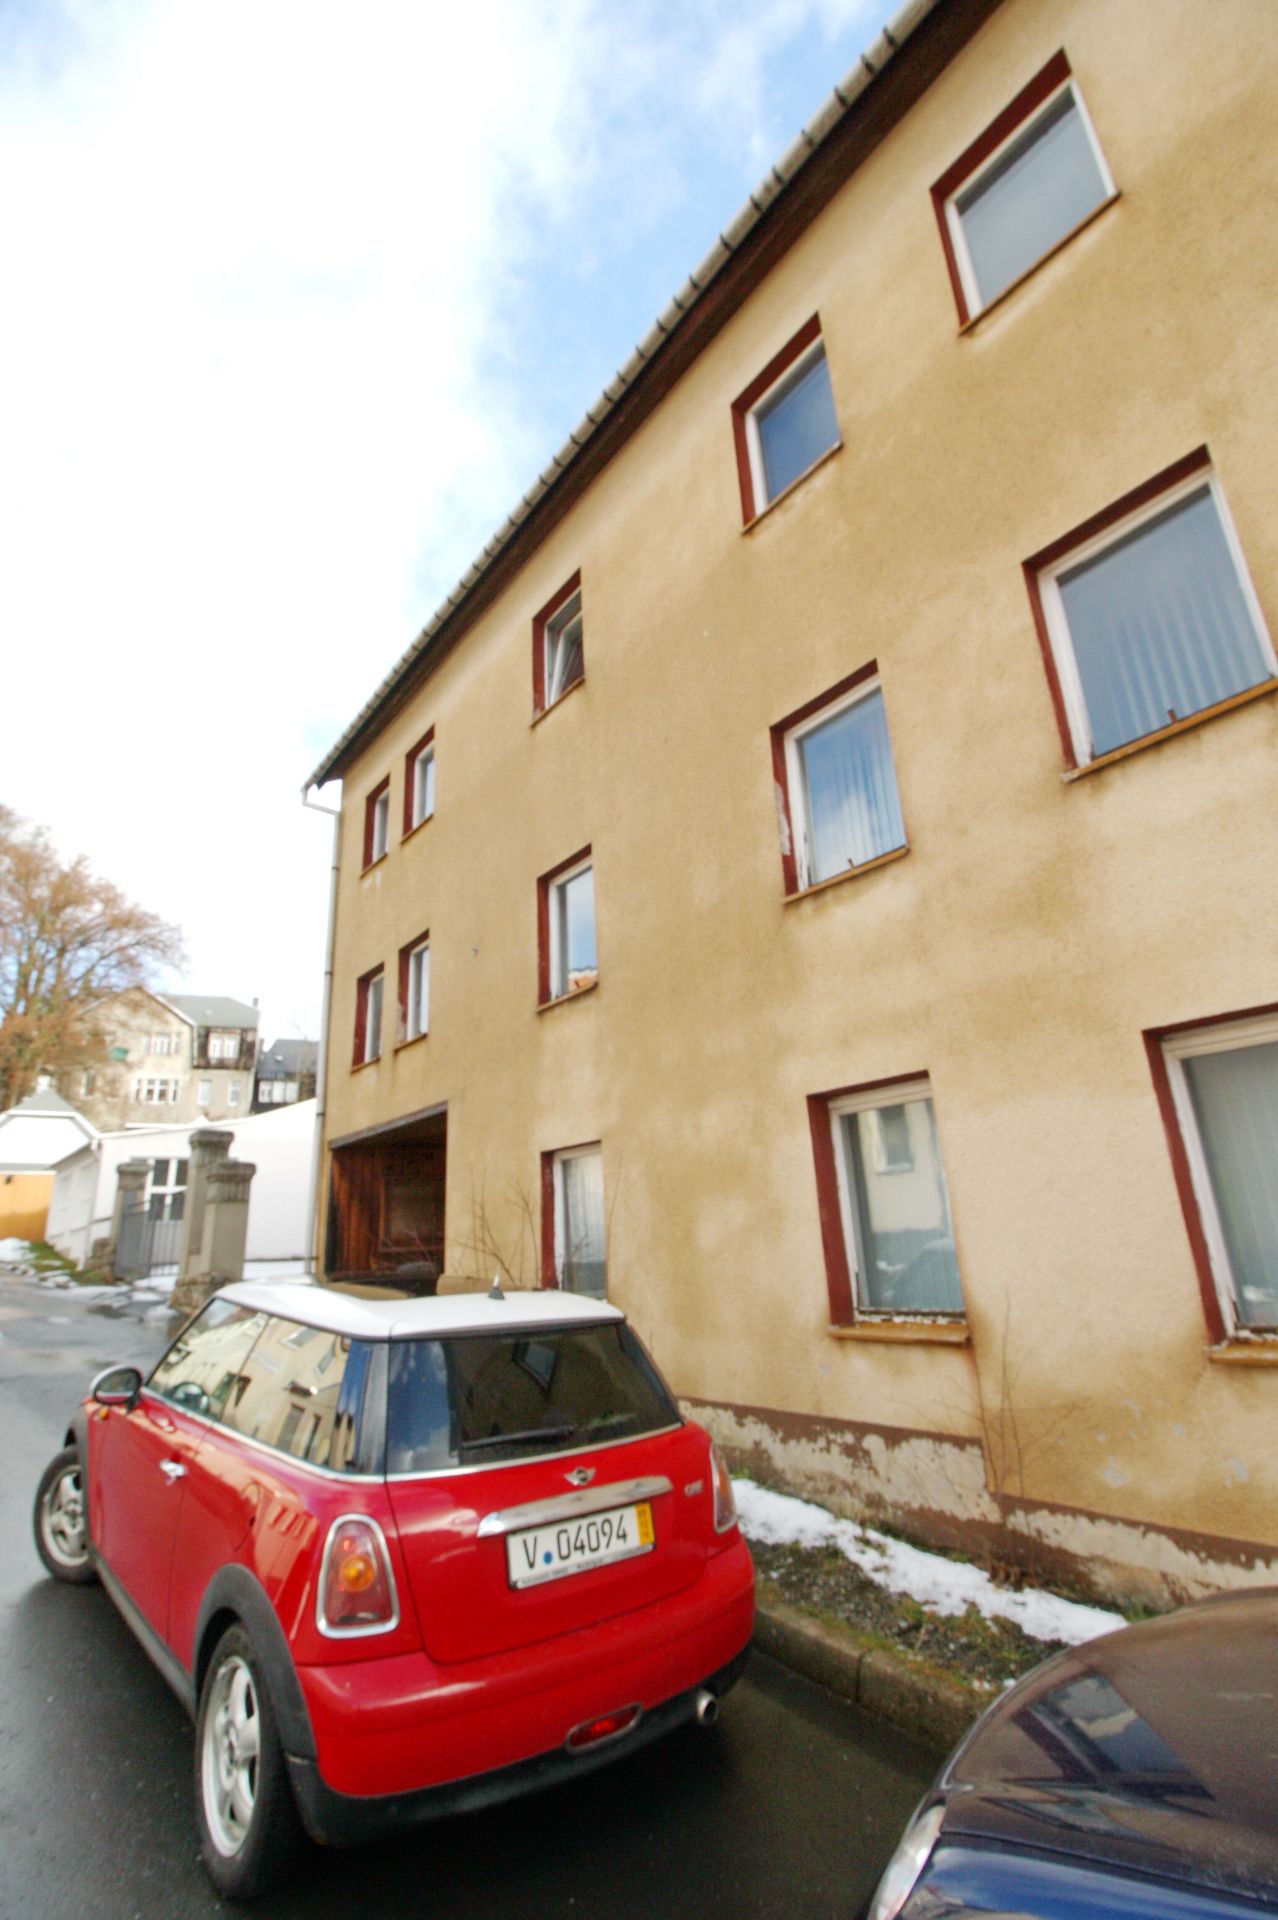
<point x="725" y="1507"/>
<point x="356" y="1586"/>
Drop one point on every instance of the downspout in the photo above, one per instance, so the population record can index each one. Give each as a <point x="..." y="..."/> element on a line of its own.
<point x="321" y="1061"/>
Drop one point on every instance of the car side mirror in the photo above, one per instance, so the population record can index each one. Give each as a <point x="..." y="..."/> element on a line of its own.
<point x="117" y="1387"/>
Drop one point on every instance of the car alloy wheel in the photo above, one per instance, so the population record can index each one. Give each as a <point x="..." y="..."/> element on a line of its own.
<point x="232" y="1741"/>
<point x="61" y="1525"/>
<point x="248" y="1821"/>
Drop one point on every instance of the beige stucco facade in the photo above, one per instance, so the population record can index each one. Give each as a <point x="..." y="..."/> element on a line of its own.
<point x="1038" y="926"/>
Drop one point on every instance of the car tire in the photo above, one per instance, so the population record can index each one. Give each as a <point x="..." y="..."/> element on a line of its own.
<point x="250" y="1834"/>
<point x="62" y="1520"/>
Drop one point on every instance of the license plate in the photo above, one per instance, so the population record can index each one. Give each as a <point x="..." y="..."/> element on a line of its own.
<point x="573" y="1546"/>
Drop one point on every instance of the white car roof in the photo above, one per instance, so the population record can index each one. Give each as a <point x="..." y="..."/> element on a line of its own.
<point x="371" y="1319"/>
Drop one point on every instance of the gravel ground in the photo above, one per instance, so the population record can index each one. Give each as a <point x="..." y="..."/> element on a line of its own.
<point x="981" y="1651"/>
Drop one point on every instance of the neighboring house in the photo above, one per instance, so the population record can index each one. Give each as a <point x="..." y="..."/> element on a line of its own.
<point x="34" y="1136"/>
<point x="279" y="1145"/>
<point x="814" y="879"/>
<point x="172" y="1057"/>
<point x="285" y="1073"/>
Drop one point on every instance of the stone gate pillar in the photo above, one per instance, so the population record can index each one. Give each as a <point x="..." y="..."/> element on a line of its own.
<point x="208" y="1147"/>
<point x="130" y="1184"/>
<point x="224" y="1214"/>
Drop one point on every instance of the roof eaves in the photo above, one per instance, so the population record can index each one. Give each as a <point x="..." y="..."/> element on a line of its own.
<point x="828" y="116"/>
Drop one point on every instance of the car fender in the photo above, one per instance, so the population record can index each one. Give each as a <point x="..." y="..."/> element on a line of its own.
<point x="233" y="1590"/>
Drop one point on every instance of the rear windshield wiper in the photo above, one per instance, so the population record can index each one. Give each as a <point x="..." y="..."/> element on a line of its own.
<point x="511" y="1439"/>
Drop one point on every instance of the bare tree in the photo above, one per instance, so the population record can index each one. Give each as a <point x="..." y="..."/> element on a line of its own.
<point x="69" y="943"/>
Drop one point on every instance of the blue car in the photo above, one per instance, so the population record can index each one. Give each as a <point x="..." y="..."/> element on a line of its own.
<point x="1133" y="1778"/>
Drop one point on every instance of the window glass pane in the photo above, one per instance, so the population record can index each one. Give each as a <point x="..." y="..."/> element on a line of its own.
<point x="1159" y="625"/>
<point x="579" y="1230"/>
<point x="419" y="992"/>
<point x="373" y="1019"/>
<point x="565" y="661"/>
<point x="1235" y="1101"/>
<point x="576" y="931"/>
<point x="201" y="1368"/>
<point x="303" y="1392"/>
<point x="424" y="786"/>
<point x="495" y="1397"/>
<point x="904" y="1249"/>
<point x="797" y="427"/>
<point x="1039" y="190"/>
<point x="853" y="810"/>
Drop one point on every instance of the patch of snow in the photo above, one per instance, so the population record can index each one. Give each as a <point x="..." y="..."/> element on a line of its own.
<point x="14" y="1250"/>
<point x="946" y="1587"/>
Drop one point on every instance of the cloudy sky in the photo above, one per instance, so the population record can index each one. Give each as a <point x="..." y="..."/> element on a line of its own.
<point x="296" y="299"/>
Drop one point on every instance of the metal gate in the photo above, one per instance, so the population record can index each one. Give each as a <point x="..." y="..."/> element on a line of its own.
<point x="145" y="1245"/>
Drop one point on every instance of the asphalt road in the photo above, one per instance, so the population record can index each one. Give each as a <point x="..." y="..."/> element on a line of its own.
<point x="788" y="1807"/>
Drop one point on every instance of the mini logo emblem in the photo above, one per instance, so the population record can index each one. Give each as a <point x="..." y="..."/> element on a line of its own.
<point x="580" y="1476"/>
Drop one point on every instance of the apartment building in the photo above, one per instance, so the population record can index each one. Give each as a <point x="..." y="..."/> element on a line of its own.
<point x="814" y="880"/>
<point x="171" y="1058"/>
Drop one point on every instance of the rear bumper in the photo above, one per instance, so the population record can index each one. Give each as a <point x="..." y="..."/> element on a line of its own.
<point x="401" y="1739"/>
<point x="347" y="1820"/>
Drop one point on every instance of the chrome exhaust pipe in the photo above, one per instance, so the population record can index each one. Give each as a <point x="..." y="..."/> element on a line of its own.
<point x="706" y="1707"/>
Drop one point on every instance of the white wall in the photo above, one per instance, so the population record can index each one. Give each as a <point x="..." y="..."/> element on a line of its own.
<point x="277" y="1144"/>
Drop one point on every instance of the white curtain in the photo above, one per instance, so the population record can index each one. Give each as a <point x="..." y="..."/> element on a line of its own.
<point x="852" y="805"/>
<point x="1235" y="1101"/>
<point x="581" y="1224"/>
<point x="1159" y="625"/>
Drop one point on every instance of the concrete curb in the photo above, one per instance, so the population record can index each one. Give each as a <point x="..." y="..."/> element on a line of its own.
<point x="932" y="1706"/>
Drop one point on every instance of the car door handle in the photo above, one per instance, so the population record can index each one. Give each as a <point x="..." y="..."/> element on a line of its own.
<point x="172" y="1470"/>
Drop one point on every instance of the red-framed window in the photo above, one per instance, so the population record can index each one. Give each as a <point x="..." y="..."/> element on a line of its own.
<point x="377" y="823"/>
<point x="1216" y="1082"/>
<point x="414" y="989"/>
<point x="573" y="1224"/>
<point x="559" y="653"/>
<point x="419" y="782"/>
<point x="785" y="421"/>
<point x="886" y="1227"/>
<point x="567" y="954"/>
<point x="1146" y="616"/>
<point x="369" y="994"/>
<point x="839" y="805"/>
<point x="1024" y="186"/>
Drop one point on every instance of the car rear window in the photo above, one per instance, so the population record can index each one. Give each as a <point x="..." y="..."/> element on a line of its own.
<point x="470" y="1400"/>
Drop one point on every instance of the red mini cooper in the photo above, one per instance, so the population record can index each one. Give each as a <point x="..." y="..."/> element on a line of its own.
<point x="402" y="1557"/>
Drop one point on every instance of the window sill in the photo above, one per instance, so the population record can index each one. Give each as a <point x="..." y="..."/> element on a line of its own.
<point x="1260" y="1350"/>
<point x="358" y="1066"/>
<point x="785" y="492"/>
<point x="1244" y="699"/>
<point x="913" y="1333"/>
<point x="375" y="863"/>
<point x="562" y="999"/>
<point x="412" y="1041"/>
<point x="992" y="306"/>
<point x="840" y="879"/>
<point x="556" y="704"/>
<point x="406" y="837"/>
